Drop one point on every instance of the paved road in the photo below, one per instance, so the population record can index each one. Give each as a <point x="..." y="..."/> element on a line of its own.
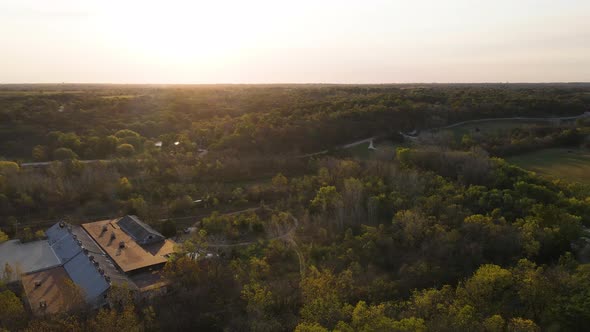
<point x="45" y="163"/>
<point x="340" y="147"/>
<point x="201" y="154"/>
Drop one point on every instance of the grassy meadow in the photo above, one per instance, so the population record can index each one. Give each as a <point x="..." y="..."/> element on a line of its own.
<point x="568" y="164"/>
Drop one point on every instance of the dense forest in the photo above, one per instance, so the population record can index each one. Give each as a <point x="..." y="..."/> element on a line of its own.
<point x="442" y="234"/>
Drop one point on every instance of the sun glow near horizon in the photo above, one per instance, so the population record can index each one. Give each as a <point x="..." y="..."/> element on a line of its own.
<point x="306" y="41"/>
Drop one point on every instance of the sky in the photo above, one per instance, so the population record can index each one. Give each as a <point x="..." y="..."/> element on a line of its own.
<point x="303" y="41"/>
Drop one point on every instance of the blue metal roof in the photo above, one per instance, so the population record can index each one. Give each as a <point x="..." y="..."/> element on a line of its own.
<point x="77" y="264"/>
<point x="85" y="274"/>
<point x="63" y="242"/>
<point x="56" y="232"/>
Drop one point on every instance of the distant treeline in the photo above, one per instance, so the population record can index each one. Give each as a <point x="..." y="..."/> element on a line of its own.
<point x="251" y="118"/>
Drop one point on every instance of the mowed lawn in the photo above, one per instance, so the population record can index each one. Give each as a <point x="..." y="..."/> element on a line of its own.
<point x="362" y="151"/>
<point x="568" y="164"/>
<point x="494" y="126"/>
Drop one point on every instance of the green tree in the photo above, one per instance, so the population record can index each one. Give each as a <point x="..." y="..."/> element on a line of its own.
<point x="467" y="141"/>
<point x="64" y="153"/>
<point x="522" y="325"/>
<point x="494" y="323"/>
<point x="310" y="327"/>
<point x="13" y="311"/>
<point x="324" y="296"/>
<point x="124" y="133"/>
<point x="403" y="155"/>
<point x="125" y="150"/>
<point x="124" y="187"/>
<point x="260" y="304"/>
<point x="168" y="228"/>
<point x="8" y="168"/>
<point x="113" y="320"/>
<point x="326" y="198"/>
<point x="3" y="236"/>
<point x="39" y="153"/>
<point x="489" y="289"/>
<point x="280" y="182"/>
<point x="108" y="145"/>
<point x="70" y="141"/>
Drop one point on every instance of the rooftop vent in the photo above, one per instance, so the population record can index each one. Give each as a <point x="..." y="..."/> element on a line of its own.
<point x="42" y="304"/>
<point x="122" y="244"/>
<point x="62" y="224"/>
<point x="37" y="283"/>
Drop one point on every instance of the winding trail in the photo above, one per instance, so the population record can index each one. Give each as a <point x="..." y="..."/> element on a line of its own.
<point x="287" y="236"/>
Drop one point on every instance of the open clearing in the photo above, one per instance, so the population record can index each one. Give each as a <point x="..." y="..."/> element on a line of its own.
<point x="494" y="127"/>
<point x="568" y="164"/>
<point x="499" y="126"/>
<point x="362" y="151"/>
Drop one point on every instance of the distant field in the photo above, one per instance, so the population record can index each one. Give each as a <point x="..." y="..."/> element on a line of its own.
<point x="12" y="93"/>
<point x="494" y="126"/>
<point x="568" y="164"/>
<point x="120" y="96"/>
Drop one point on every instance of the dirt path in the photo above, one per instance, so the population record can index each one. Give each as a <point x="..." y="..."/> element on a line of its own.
<point x="286" y="235"/>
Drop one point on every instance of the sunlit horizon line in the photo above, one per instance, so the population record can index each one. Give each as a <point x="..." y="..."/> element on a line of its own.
<point x="295" y="83"/>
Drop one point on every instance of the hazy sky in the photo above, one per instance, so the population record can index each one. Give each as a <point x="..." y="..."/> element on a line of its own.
<point x="253" y="41"/>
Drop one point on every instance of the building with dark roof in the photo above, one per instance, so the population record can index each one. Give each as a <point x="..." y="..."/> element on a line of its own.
<point x="139" y="231"/>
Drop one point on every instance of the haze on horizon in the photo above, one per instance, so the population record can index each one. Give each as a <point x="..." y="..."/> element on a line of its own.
<point x="294" y="42"/>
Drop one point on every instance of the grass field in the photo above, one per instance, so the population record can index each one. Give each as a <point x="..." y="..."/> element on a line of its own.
<point x="568" y="164"/>
<point x="120" y="96"/>
<point x="495" y="127"/>
<point x="362" y="151"/>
